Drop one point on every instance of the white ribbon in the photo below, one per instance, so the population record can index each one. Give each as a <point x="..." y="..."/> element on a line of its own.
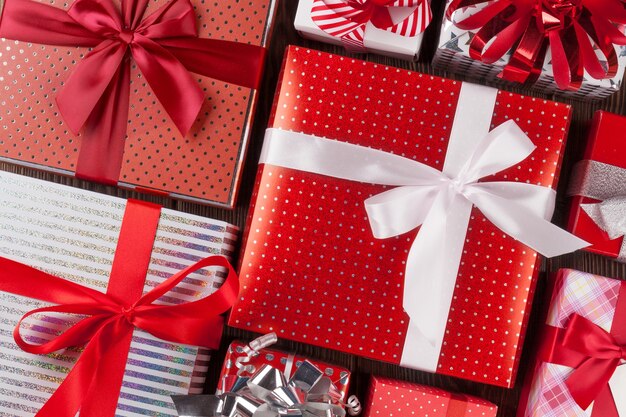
<point x="438" y="201"/>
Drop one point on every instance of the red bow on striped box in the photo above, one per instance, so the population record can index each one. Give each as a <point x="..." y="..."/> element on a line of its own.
<point x="348" y="19"/>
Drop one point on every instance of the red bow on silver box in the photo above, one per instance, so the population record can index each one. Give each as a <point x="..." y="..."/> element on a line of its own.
<point x="581" y="35"/>
<point x="347" y="19"/>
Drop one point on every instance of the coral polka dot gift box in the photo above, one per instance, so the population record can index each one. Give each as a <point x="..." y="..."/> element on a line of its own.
<point x="390" y="398"/>
<point x="156" y="96"/>
<point x="398" y="216"/>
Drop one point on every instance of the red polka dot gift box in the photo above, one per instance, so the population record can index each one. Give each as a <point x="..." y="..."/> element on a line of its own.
<point x="155" y="96"/>
<point x="358" y="241"/>
<point x="391" y="398"/>
<point x="577" y="365"/>
<point x="598" y="189"/>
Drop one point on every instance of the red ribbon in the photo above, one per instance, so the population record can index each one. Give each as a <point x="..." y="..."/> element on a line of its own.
<point x="94" y="383"/>
<point x="164" y="45"/>
<point x="570" y="28"/>
<point x="603" y="354"/>
<point x="457" y="407"/>
<point x="594" y="354"/>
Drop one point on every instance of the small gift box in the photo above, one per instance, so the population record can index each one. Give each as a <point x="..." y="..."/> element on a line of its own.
<point x="577" y="371"/>
<point x="573" y="49"/>
<point x="598" y="188"/>
<point x="391" y="398"/>
<point x="156" y="96"/>
<point x="387" y="27"/>
<point x="242" y="361"/>
<point x="259" y="381"/>
<point x="352" y="166"/>
<point x="95" y="256"/>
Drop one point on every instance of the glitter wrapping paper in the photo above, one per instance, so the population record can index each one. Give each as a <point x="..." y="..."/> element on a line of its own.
<point x="311" y="270"/>
<point x="377" y="40"/>
<point x="204" y="167"/>
<point x="73" y="234"/>
<point x="605" y="147"/>
<point x="283" y="361"/>
<point x="391" y="398"/>
<point x="593" y="297"/>
<point x="453" y="54"/>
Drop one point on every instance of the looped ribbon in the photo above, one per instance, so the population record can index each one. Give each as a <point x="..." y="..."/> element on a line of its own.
<point x="439" y="202"/>
<point x="606" y="183"/>
<point x="574" y="30"/>
<point x="253" y="349"/>
<point x="267" y="393"/>
<point x="93" y="385"/>
<point x="347" y="19"/>
<point x="164" y="45"/>
<point x="603" y="354"/>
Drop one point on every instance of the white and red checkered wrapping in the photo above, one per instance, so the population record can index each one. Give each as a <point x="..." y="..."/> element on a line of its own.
<point x="591" y="296"/>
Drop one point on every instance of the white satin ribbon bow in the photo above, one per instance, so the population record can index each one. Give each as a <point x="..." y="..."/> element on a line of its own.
<point x="439" y="202"/>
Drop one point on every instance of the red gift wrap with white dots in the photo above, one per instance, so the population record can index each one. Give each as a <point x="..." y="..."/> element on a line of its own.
<point x="311" y="269"/>
<point x="204" y="166"/>
<point x="391" y="398"/>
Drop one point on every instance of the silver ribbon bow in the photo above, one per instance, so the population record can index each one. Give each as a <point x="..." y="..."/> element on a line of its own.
<point x="267" y="393"/>
<point x="606" y="183"/>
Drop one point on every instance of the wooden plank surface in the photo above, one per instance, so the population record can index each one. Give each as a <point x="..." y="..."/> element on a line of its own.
<point x="283" y="35"/>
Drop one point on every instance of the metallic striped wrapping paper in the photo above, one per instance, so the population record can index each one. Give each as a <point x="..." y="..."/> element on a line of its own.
<point x="73" y="234"/>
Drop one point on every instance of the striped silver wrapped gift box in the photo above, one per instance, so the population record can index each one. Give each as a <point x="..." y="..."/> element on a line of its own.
<point x="73" y="234"/>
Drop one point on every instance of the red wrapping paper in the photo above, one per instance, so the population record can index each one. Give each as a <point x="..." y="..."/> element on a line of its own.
<point x="311" y="269"/>
<point x="391" y="398"/>
<point x="279" y="360"/>
<point x="602" y="146"/>
<point x="204" y="166"/>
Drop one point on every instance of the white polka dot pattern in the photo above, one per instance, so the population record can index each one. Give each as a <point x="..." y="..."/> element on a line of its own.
<point x="390" y="398"/>
<point x="311" y="270"/>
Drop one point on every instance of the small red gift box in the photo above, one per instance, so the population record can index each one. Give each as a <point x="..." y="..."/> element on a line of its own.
<point x="315" y="268"/>
<point x="391" y="398"/>
<point x="598" y="186"/>
<point x="188" y="142"/>
<point x="283" y="361"/>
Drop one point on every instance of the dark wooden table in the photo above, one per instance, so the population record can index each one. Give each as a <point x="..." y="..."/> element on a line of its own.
<point x="284" y="34"/>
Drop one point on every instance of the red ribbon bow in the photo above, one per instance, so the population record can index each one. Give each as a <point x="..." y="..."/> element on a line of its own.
<point x="603" y="354"/>
<point x="165" y="47"/>
<point x="347" y="19"/>
<point x="94" y="383"/>
<point x="573" y="30"/>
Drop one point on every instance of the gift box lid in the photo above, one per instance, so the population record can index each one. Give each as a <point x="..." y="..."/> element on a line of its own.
<point x="602" y="146"/>
<point x="392" y="398"/>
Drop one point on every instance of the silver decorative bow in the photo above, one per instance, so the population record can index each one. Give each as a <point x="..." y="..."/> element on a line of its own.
<point x="267" y="393"/>
<point x="607" y="183"/>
